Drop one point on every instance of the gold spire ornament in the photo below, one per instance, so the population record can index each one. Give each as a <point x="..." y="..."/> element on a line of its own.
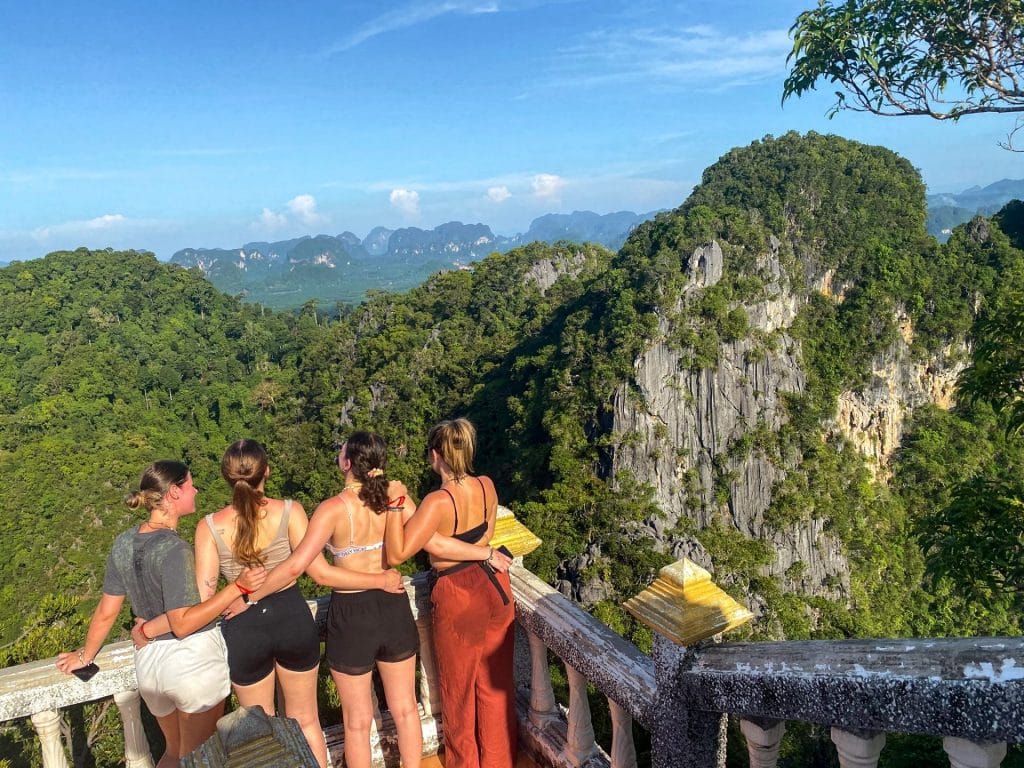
<point x="684" y="605"/>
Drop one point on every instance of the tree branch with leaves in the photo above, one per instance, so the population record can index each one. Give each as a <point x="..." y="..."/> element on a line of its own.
<point x="944" y="59"/>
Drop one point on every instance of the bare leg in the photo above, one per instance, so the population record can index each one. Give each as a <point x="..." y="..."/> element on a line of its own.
<point x="357" y="715"/>
<point x="299" y="691"/>
<point x="172" y="737"/>
<point x="197" y="727"/>
<point x="399" y="679"/>
<point x="259" y="694"/>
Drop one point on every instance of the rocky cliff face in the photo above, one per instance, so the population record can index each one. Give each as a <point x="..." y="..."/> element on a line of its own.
<point x="875" y="418"/>
<point x="692" y="434"/>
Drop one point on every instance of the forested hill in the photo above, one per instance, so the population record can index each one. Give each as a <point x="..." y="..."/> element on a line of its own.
<point x="700" y="392"/>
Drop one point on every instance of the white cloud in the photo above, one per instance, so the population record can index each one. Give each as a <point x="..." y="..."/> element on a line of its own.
<point x="547" y="185"/>
<point x="304" y="207"/>
<point x="71" y="228"/>
<point x="300" y="211"/>
<point x="270" y="221"/>
<point x="498" y="194"/>
<point x="698" y="56"/>
<point x="406" y="200"/>
<point x="415" y="13"/>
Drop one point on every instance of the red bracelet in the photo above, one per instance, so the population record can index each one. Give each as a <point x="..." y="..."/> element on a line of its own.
<point x="142" y="629"/>
<point x="243" y="590"/>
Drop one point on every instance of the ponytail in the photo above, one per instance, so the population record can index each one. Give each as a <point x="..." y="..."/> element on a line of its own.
<point x="369" y="456"/>
<point x="455" y="442"/>
<point x="243" y="467"/>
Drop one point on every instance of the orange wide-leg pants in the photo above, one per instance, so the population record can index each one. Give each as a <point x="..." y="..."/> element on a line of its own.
<point x="473" y="640"/>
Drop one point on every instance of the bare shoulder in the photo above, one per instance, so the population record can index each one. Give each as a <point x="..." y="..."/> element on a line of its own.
<point x="331" y="508"/>
<point x="397" y="488"/>
<point x="224" y="516"/>
<point x="492" y="492"/>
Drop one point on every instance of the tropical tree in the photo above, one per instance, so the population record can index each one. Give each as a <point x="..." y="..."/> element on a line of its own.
<point x="941" y="58"/>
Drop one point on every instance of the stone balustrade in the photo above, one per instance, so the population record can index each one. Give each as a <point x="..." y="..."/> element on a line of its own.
<point x="969" y="691"/>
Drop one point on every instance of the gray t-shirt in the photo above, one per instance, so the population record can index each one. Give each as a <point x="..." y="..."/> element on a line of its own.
<point x="157" y="571"/>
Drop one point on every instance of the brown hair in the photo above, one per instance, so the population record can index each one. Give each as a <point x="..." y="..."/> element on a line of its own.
<point x="156" y="479"/>
<point x="369" y="456"/>
<point x="244" y="466"/>
<point x="455" y="442"/>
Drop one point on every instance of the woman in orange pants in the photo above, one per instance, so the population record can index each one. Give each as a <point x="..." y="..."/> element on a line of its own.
<point x="473" y="611"/>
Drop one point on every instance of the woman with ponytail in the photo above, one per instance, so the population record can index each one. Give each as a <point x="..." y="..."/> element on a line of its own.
<point x="368" y="627"/>
<point x="182" y="674"/>
<point x="473" y="612"/>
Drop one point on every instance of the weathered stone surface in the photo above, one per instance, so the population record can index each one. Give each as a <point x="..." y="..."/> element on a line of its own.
<point x="39" y="686"/>
<point x="614" y="665"/>
<point x="970" y="688"/>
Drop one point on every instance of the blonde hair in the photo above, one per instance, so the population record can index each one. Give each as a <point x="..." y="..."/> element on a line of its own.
<point x="455" y="442"/>
<point x="156" y="479"/>
<point x="243" y="466"/>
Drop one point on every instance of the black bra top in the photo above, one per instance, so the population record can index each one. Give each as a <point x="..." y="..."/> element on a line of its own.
<point x="473" y="534"/>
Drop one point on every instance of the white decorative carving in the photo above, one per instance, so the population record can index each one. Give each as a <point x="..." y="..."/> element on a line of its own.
<point x="136" y="747"/>
<point x="430" y="692"/>
<point x="623" y="751"/>
<point x="857" y="751"/>
<point x="542" y="699"/>
<point x="47" y="725"/>
<point x="580" y="732"/>
<point x="763" y="743"/>
<point x="971" y="754"/>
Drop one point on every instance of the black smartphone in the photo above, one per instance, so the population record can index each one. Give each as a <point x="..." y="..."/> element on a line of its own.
<point x="86" y="673"/>
<point x="505" y="551"/>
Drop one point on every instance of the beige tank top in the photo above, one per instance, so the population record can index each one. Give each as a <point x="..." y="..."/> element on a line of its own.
<point x="275" y="553"/>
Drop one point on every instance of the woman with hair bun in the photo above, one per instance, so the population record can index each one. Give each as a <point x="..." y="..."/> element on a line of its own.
<point x="182" y="674"/>
<point x="473" y="611"/>
<point x="368" y="628"/>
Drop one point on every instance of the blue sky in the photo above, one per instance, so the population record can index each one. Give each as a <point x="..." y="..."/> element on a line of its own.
<point x="163" y="125"/>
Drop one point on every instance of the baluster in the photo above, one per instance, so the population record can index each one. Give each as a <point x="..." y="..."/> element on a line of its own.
<point x="858" y="749"/>
<point x="972" y="754"/>
<point x="542" y="699"/>
<point x="430" y="692"/>
<point x="136" y="747"/>
<point x="378" y="718"/>
<point x="580" y="732"/>
<point x="47" y="725"/>
<point x="623" y="751"/>
<point x="764" y="738"/>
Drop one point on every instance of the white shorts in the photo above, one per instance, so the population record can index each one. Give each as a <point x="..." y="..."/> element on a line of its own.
<point x="190" y="674"/>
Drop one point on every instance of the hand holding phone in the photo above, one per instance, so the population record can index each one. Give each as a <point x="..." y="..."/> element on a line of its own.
<point x="86" y="673"/>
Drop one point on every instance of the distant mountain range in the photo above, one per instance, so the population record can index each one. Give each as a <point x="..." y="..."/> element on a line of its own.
<point x="342" y="268"/>
<point x="946" y="210"/>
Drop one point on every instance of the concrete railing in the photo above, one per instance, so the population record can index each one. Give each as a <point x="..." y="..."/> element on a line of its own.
<point x="970" y="692"/>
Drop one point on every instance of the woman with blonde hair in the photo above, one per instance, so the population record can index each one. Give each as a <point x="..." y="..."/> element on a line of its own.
<point x="182" y="674"/>
<point x="473" y="611"/>
<point x="368" y="628"/>
<point x="275" y="645"/>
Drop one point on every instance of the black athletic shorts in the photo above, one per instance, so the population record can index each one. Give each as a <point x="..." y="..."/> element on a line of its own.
<point x="279" y="629"/>
<point x="366" y="627"/>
